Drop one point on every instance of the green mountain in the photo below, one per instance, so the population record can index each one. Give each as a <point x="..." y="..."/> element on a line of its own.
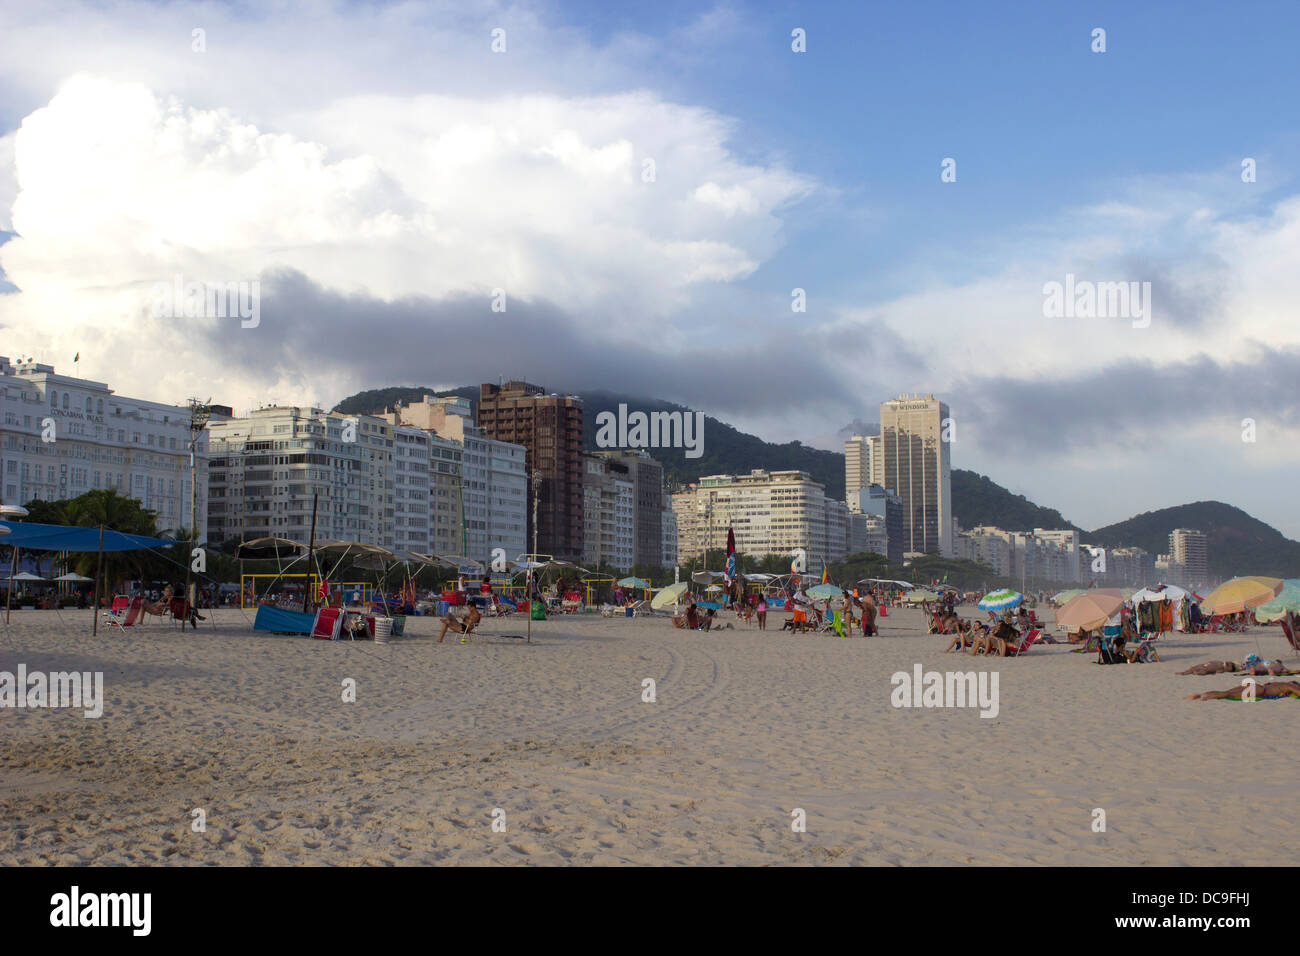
<point x="1236" y="543"/>
<point x="726" y="450"/>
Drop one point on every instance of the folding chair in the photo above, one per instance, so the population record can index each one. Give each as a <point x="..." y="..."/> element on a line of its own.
<point x="127" y="618"/>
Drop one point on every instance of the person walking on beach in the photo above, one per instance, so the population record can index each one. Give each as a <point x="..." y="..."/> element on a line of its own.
<point x="760" y="609"/>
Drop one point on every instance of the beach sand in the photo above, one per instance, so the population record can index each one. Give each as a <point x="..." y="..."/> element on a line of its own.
<point x="251" y="728"/>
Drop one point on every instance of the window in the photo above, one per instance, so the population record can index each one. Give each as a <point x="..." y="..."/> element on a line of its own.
<point x="99" y="407"/>
<point x="54" y="399"/>
<point x="65" y="401"/>
<point x="89" y="405"/>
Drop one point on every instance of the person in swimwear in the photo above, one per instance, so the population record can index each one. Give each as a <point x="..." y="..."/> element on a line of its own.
<point x="462" y="625"/>
<point x="1270" y="691"/>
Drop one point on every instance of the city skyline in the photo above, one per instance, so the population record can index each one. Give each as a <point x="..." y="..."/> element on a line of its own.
<point x="695" y="185"/>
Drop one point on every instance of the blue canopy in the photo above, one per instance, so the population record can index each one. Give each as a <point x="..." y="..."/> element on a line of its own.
<point x="58" y="537"/>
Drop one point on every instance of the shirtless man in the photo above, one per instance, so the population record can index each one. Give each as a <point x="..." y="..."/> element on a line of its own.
<point x="1271" y="690"/>
<point x="461" y="625"/>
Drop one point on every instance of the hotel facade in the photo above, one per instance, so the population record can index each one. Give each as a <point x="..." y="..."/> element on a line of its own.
<point x="777" y="512"/>
<point x="62" y="436"/>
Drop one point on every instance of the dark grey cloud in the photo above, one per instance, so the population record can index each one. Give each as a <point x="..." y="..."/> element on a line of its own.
<point x="1130" y="402"/>
<point x="312" y="334"/>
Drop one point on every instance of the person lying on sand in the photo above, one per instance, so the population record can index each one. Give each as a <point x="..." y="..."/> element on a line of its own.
<point x="1273" y="690"/>
<point x="1251" y="665"/>
<point x="461" y="626"/>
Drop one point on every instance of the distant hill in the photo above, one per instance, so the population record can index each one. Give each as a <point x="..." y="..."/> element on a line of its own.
<point x="727" y="450"/>
<point x="1236" y="542"/>
<point x="978" y="500"/>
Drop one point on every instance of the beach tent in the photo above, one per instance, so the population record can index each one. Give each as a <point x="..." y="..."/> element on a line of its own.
<point x="269" y="549"/>
<point x="57" y="537"/>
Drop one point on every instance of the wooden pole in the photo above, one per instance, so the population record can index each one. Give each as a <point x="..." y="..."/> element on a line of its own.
<point x="99" y="579"/>
<point x="311" y="550"/>
<point x="9" y="592"/>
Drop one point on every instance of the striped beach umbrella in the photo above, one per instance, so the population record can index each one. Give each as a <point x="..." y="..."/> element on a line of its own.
<point x="1000" y="600"/>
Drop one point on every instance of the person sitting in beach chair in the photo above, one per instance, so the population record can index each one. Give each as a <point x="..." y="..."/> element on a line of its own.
<point x="963" y="637"/>
<point x="461" y="625"/>
<point x="1274" y="690"/>
<point x="997" y="640"/>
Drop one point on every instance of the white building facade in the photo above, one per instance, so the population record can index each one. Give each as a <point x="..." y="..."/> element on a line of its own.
<point x="61" y="437"/>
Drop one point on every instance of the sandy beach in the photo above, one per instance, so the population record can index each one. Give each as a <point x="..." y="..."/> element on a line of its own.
<point x="251" y="728"/>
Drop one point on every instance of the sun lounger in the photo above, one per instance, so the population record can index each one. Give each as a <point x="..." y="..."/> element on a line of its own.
<point x="328" y="623"/>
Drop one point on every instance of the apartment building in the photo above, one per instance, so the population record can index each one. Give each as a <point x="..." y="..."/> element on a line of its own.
<point x="61" y="436"/>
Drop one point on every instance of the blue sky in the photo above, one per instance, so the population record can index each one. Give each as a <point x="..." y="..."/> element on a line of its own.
<point x="381" y="171"/>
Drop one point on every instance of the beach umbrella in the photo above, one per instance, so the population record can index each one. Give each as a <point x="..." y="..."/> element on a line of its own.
<point x="706" y="577"/>
<point x="1000" y="600"/>
<point x="1241" y="594"/>
<point x="28" y="576"/>
<point x="74" y="577"/>
<point x="634" y="583"/>
<point x="920" y="596"/>
<point x="825" y="591"/>
<point x="1091" y="609"/>
<point x="1288" y="599"/>
<point x="669" y="595"/>
<point x="1060" y="597"/>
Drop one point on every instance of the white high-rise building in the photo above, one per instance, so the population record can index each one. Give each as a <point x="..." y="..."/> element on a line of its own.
<point x="267" y="468"/>
<point x="777" y="512"/>
<point x="62" y="436"/>
<point x="916" y="465"/>
<point x="857" y="466"/>
<point x="1187" y="549"/>
<point x="494" y="483"/>
<point x="609" y="538"/>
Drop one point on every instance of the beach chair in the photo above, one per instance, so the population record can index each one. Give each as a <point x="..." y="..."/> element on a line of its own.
<point x="1033" y="617"/>
<point x="1025" y="643"/>
<point x="128" y="617"/>
<point x="328" y="623"/>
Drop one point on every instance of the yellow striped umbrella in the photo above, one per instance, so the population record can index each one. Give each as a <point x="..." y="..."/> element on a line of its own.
<point x="1241" y="594"/>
